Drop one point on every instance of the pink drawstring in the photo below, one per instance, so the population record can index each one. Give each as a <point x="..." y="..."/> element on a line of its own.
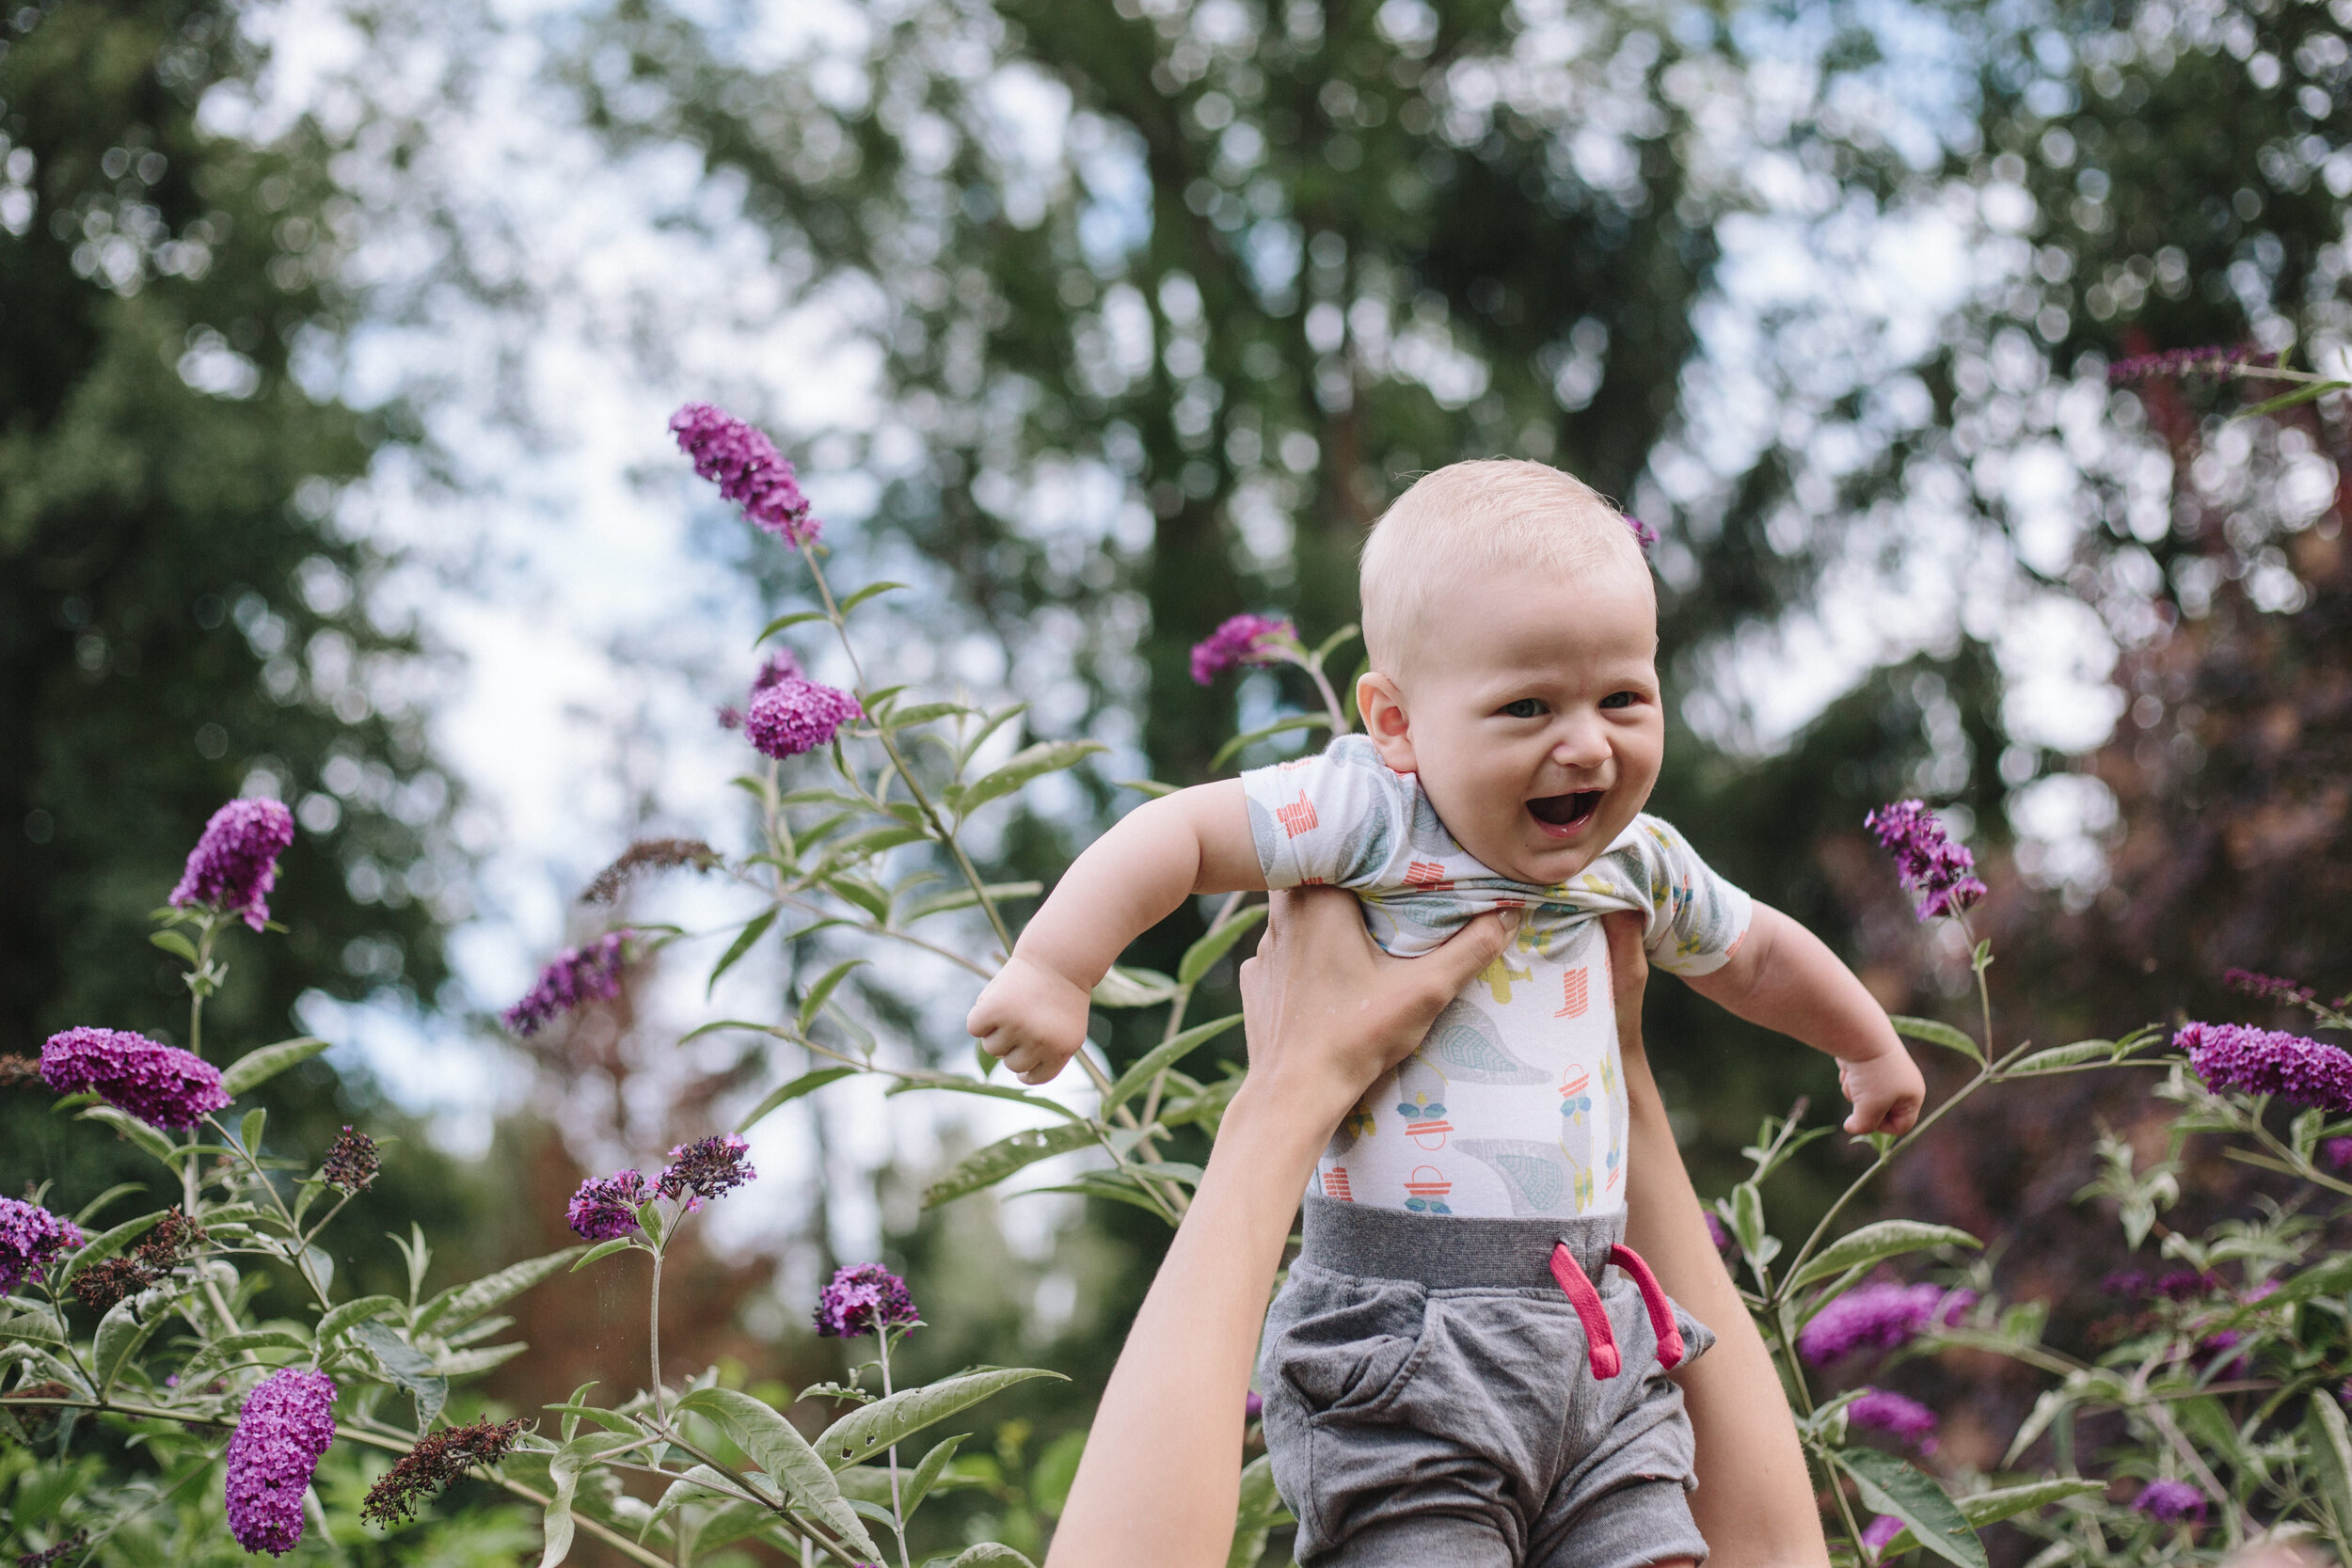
<point x="1662" y="1312"/>
<point x="1600" y="1341"/>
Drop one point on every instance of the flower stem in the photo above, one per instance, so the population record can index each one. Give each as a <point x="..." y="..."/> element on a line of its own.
<point x="660" y="1411"/>
<point x="897" y="1513"/>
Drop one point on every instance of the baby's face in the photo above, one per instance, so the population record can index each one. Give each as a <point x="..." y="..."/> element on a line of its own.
<point x="1531" y="713"/>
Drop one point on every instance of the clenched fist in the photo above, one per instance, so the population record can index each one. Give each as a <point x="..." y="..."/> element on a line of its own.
<point x="1031" y="1018"/>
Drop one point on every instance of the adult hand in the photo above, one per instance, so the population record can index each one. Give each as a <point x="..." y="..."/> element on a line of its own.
<point x="1327" y="1012"/>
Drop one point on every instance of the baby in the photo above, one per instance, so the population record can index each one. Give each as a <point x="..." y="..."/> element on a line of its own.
<point x="1441" y="1374"/>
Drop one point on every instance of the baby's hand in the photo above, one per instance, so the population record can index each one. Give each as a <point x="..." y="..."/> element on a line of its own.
<point x="1887" y="1091"/>
<point x="1031" y="1017"/>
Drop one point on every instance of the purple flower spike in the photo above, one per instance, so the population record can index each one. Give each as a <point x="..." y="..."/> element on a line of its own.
<point x="1243" y="640"/>
<point x="1881" y="1317"/>
<point x="2337" y="1153"/>
<point x="748" y="471"/>
<point x="2219" y="359"/>
<point x="234" y="864"/>
<point x="605" y="1208"/>
<point x="1881" y="1410"/>
<point x="2171" y="1501"/>
<point x="1878" y="1532"/>
<point x="708" y="1168"/>
<point x="793" y="716"/>
<point x="1929" y="862"/>
<point x="2270" y="987"/>
<point x="287" y="1423"/>
<point x="2268" y="1061"/>
<point x="161" y="1085"/>
<point x="1643" y="535"/>
<point x="863" y="1299"/>
<point x="575" y="976"/>
<point x="1715" y="1231"/>
<point x="31" y="1238"/>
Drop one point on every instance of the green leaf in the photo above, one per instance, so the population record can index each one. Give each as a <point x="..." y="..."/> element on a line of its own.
<point x="1046" y="756"/>
<point x="927" y="1474"/>
<point x="785" y="622"/>
<point x="256" y="1067"/>
<point x="250" y="1129"/>
<point x="461" y="1304"/>
<point x="989" y="1554"/>
<point x="120" y="1333"/>
<point x="1115" y="1186"/>
<point x="224" y="1352"/>
<point x="873" y="841"/>
<point x="1888" y="1485"/>
<point x="996" y="720"/>
<point x="1331" y="644"/>
<point x="406" y="1366"/>
<point x="923" y="713"/>
<point x="826" y="985"/>
<point x="864" y="894"/>
<point x="602" y="1249"/>
<point x="120" y="1188"/>
<point x="173" y="942"/>
<point x="2059" y="1057"/>
<point x="987" y="1167"/>
<point x="870" y="591"/>
<point x="807" y="1083"/>
<point x="1055" y="1469"/>
<point x="1258" y="1511"/>
<point x="777" y="1448"/>
<point x="563" y="1471"/>
<point x="1933" y="1033"/>
<point x="1201" y="953"/>
<point x="870" y="1428"/>
<point x="1297" y="722"/>
<point x="137" y="1131"/>
<point x="2330" y="1445"/>
<point x="1747" y="1219"/>
<point x="2310" y="393"/>
<point x="744" y="940"/>
<point x="1152" y="787"/>
<point x="923" y="1078"/>
<point x="1886" y="1239"/>
<point x="1123" y="987"/>
<point x="1165" y="1054"/>
<point x="2003" y="1502"/>
<point x="342" y="1318"/>
<point x="964" y="898"/>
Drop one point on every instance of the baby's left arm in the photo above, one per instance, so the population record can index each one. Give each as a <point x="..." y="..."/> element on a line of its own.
<point x="1786" y="978"/>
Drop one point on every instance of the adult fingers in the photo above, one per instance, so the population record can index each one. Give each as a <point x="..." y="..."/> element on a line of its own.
<point x="1629" y="962"/>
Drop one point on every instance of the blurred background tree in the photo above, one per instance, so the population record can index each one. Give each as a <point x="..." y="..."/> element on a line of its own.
<point x="181" y="617"/>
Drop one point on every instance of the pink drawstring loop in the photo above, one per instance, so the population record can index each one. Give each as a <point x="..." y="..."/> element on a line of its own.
<point x="1662" y="1312"/>
<point x="1601" y="1342"/>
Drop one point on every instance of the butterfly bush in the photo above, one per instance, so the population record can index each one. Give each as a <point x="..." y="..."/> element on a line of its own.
<point x="862" y="805"/>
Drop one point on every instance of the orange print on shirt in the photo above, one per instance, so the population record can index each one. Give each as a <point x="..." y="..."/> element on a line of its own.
<point x="1427" y="876"/>
<point x="1296" y="818"/>
<point x="1576" y="986"/>
<point x="1335" y="1185"/>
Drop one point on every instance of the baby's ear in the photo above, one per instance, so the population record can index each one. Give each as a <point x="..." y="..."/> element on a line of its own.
<point x="1382" y="704"/>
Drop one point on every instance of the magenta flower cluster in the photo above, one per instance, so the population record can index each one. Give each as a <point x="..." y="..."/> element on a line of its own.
<point x="2171" y="1501"/>
<point x="577" y="975"/>
<point x="1884" y="1410"/>
<point x="1243" y="640"/>
<point x="2219" y="359"/>
<point x="705" y="1168"/>
<point x="794" y="715"/>
<point x="31" y="1238"/>
<point x="161" y="1085"/>
<point x="1927" y="860"/>
<point x="287" y="1423"/>
<point x="605" y="1208"/>
<point x="778" y="667"/>
<point x="863" y="1299"/>
<point x="234" y="864"/>
<point x="747" y="468"/>
<point x="1643" y="535"/>
<point x="2268" y="1061"/>
<point x="1878" y="1317"/>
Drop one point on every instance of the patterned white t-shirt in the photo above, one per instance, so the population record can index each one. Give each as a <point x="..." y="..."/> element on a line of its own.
<point x="1514" y="1104"/>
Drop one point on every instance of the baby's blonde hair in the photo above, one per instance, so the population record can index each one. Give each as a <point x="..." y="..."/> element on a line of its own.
<point x="1492" y="514"/>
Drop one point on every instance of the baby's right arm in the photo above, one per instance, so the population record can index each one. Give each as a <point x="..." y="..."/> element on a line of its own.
<point x="1033" y="1014"/>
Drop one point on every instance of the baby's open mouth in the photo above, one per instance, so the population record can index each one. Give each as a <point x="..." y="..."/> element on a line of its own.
<point x="1567" y="812"/>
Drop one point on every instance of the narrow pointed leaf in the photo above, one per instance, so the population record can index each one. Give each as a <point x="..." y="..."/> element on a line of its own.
<point x="807" y="1083"/>
<point x="1163" y="1055"/>
<point x="1888" y="1485"/>
<point x="785" y="622"/>
<point x="137" y="1131"/>
<point x="744" y="942"/>
<point x="461" y="1304"/>
<point x="776" y="1447"/>
<point x="1123" y="986"/>
<point x="1047" y="756"/>
<point x="985" y="1167"/>
<point x="826" y="985"/>
<point x="256" y="1067"/>
<point x="1283" y="727"/>
<point x="339" y="1318"/>
<point x="1886" y="1239"/>
<point x="1928" y="1029"/>
<point x="1201" y="953"/>
<point x="870" y="1428"/>
<point x="2003" y="1502"/>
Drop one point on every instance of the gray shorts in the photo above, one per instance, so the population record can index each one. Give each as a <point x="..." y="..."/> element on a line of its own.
<point x="1430" y="1398"/>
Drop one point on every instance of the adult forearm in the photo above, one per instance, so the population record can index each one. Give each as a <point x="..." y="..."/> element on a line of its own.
<point x="1755" y="1503"/>
<point x="1160" y="1479"/>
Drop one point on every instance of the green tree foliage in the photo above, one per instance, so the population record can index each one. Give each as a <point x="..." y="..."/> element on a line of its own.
<point x="179" y="615"/>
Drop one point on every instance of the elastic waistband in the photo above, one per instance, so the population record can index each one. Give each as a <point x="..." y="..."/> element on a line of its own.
<point x="1449" y="1252"/>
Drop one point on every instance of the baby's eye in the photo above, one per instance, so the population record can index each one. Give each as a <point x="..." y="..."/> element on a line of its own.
<point x="1618" y="699"/>
<point x="1526" y="708"/>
